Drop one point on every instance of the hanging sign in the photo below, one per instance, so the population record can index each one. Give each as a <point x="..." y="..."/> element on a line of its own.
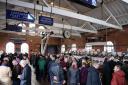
<point x="21" y="16"/>
<point x="45" y="20"/>
<point x="87" y="3"/>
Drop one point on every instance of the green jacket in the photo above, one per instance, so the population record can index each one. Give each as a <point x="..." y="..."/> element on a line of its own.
<point x="41" y="64"/>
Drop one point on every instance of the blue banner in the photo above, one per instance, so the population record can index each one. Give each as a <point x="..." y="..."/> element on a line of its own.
<point x="90" y="2"/>
<point x="21" y="16"/>
<point x="87" y="3"/>
<point x="45" y="20"/>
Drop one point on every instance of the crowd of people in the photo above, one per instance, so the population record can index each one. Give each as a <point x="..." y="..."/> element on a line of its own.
<point x="14" y="69"/>
<point x="59" y="69"/>
<point x="68" y="70"/>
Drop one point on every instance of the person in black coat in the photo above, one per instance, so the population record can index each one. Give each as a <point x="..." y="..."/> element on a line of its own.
<point x="15" y="72"/>
<point x="93" y="77"/>
<point x="83" y="74"/>
<point x="108" y="67"/>
<point x="25" y="77"/>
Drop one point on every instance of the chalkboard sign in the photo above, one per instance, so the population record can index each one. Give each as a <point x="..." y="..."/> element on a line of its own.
<point x="22" y="16"/>
<point x="45" y="20"/>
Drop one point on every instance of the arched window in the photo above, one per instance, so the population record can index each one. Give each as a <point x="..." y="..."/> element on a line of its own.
<point x="109" y="47"/>
<point x="73" y="47"/>
<point x="10" y="47"/>
<point x="88" y="48"/>
<point x="62" y="48"/>
<point x="24" y="48"/>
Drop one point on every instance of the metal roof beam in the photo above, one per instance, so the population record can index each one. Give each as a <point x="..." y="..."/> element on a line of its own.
<point x="46" y="3"/>
<point x="111" y="14"/>
<point x="69" y="27"/>
<point x="87" y="23"/>
<point x="71" y="6"/>
<point x="62" y="12"/>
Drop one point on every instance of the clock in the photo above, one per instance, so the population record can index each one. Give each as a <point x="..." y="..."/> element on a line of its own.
<point x="67" y="34"/>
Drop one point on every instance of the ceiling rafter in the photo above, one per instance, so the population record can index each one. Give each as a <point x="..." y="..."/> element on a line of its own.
<point x="62" y="13"/>
<point x="69" y="27"/>
<point x="71" y="6"/>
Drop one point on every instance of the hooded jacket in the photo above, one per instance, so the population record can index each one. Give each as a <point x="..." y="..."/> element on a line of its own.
<point x="118" y="78"/>
<point x="93" y="77"/>
<point x="73" y="75"/>
<point x="55" y="70"/>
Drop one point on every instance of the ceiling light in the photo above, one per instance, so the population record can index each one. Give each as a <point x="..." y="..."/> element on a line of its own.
<point x="32" y="25"/>
<point x="125" y="1"/>
<point x="52" y="3"/>
<point x="22" y="25"/>
<point x="23" y="30"/>
<point x="41" y="27"/>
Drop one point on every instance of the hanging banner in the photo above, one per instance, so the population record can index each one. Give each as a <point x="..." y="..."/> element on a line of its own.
<point x="21" y="16"/>
<point x="87" y="3"/>
<point x="45" y="20"/>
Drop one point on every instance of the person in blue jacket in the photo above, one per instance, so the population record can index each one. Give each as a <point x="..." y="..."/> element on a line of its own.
<point x="25" y="77"/>
<point x="73" y="74"/>
<point x="55" y="72"/>
<point x="93" y="77"/>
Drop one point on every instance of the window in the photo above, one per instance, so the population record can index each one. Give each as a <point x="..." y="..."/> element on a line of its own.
<point x="24" y="48"/>
<point x="88" y="48"/>
<point x="73" y="47"/>
<point x="10" y="47"/>
<point x="62" y="48"/>
<point x="109" y="47"/>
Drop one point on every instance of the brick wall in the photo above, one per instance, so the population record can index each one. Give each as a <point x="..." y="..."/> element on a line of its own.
<point x="118" y="37"/>
<point x="80" y="42"/>
<point x="33" y="42"/>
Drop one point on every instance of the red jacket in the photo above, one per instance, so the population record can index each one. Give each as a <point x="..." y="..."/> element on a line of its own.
<point x="118" y="78"/>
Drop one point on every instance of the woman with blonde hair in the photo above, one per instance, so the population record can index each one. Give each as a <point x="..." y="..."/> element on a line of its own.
<point x="5" y="73"/>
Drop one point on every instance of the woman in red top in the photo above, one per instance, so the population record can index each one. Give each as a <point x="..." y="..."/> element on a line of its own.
<point x="118" y="76"/>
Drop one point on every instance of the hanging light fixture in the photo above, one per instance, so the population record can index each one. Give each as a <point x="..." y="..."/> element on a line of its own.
<point x="32" y="25"/>
<point x="51" y="3"/>
<point x="22" y="25"/>
<point x="41" y="27"/>
<point x="23" y="30"/>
